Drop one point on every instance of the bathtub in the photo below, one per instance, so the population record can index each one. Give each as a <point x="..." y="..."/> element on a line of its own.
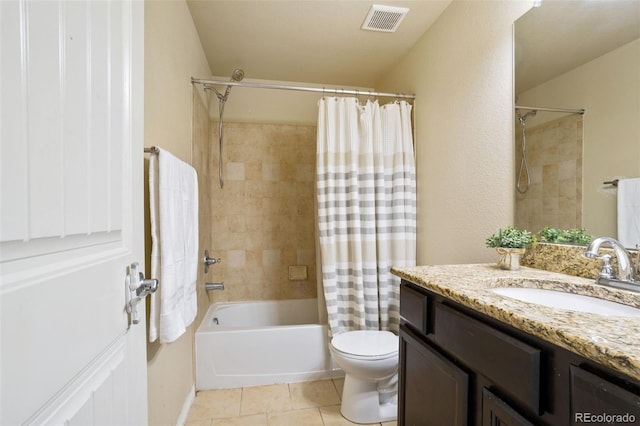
<point x="263" y="342"/>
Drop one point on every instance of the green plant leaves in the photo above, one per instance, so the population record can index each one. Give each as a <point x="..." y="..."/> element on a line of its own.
<point x="565" y="236"/>
<point x="511" y="237"/>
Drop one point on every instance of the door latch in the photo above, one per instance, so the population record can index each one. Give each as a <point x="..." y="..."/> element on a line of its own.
<point x="138" y="287"/>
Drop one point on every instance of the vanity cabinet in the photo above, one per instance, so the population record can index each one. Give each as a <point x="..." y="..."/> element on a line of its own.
<point x="461" y="367"/>
<point x="592" y="395"/>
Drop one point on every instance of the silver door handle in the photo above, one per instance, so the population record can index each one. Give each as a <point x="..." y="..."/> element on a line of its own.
<point x="147" y="286"/>
<point x="138" y="287"/>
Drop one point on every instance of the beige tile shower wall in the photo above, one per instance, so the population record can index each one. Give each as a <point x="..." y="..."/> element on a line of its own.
<point x="554" y="157"/>
<point x="262" y="221"/>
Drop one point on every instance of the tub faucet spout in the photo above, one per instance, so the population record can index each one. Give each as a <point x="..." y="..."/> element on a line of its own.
<point x="214" y="286"/>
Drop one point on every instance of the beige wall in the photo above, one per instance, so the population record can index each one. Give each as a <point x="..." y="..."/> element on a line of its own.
<point x="607" y="88"/>
<point x="461" y="72"/>
<point x="173" y="54"/>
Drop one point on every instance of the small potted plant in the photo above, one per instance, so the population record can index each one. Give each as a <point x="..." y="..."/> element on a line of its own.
<point x="511" y="243"/>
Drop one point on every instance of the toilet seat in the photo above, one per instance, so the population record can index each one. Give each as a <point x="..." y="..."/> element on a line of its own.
<point x="366" y="344"/>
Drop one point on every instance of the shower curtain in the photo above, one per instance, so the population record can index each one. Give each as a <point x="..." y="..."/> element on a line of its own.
<point x="366" y="210"/>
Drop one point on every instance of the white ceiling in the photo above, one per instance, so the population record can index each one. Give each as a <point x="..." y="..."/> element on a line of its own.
<point x="561" y="35"/>
<point x="320" y="41"/>
<point x="312" y="41"/>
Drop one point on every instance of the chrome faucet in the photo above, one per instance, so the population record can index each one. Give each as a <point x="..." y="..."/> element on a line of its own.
<point x="626" y="276"/>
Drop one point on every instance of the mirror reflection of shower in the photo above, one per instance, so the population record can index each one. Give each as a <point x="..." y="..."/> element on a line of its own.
<point x="524" y="167"/>
<point x="237" y="76"/>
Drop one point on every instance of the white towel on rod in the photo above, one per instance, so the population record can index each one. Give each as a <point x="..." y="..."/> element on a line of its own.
<point x="629" y="212"/>
<point x="173" y="199"/>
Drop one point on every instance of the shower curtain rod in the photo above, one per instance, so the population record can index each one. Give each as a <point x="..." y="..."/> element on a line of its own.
<point x="573" y="111"/>
<point x="303" y="88"/>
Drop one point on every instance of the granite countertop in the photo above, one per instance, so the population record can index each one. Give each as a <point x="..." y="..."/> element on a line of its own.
<point x="613" y="341"/>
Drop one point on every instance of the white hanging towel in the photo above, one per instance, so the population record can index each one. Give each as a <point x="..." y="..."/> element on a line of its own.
<point x="629" y="212"/>
<point x="173" y="199"/>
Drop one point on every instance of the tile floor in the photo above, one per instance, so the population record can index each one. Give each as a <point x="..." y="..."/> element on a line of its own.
<point x="293" y="404"/>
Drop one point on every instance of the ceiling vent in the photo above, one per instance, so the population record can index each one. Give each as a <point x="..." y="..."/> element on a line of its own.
<point x="384" y="18"/>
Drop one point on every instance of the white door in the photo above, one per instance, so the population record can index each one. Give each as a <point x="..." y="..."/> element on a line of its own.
<point x="71" y="211"/>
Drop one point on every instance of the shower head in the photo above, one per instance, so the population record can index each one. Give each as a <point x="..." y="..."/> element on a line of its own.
<point x="523" y="118"/>
<point x="237" y="75"/>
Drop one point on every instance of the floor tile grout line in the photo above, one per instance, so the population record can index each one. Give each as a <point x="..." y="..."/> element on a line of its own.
<point x="335" y="386"/>
<point x="321" y="417"/>
<point x="267" y="415"/>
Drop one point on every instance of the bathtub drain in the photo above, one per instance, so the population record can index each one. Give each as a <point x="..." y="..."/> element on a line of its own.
<point x="215" y="321"/>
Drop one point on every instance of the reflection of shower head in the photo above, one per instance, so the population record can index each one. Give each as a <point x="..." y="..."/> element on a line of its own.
<point x="524" y="167"/>
<point x="523" y="118"/>
<point x="237" y="75"/>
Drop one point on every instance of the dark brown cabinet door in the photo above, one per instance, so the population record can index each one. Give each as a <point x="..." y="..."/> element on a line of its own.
<point x="496" y="412"/>
<point x="433" y="391"/>
<point x="596" y="401"/>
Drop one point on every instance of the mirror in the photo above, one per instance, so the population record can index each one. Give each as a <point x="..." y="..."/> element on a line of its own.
<point x="581" y="54"/>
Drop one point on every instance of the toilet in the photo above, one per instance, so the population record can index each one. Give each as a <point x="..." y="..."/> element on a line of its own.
<point x="369" y="359"/>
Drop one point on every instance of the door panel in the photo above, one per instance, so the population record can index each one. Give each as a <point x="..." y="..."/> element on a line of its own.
<point x="94" y="397"/>
<point x="71" y="211"/>
<point x="64" y="126"/>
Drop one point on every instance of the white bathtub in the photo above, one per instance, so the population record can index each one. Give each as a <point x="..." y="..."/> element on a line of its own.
<point x="260" y="343"/>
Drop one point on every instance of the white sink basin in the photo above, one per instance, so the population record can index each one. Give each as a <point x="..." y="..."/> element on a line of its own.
<point x="568" y="301"/>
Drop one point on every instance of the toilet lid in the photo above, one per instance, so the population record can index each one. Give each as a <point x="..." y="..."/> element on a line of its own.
<point x="366" y="342"/>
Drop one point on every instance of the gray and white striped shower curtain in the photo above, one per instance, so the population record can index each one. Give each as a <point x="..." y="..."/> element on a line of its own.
<point x="366" y="197"/>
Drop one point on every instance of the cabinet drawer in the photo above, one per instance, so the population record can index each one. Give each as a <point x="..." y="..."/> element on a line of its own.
<point x="593" y="396"/>
<point x="511" y="364"/>
<point x="413" y="307"/>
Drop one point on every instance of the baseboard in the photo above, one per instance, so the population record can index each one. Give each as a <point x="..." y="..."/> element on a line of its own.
<point x="184" y="413"/>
